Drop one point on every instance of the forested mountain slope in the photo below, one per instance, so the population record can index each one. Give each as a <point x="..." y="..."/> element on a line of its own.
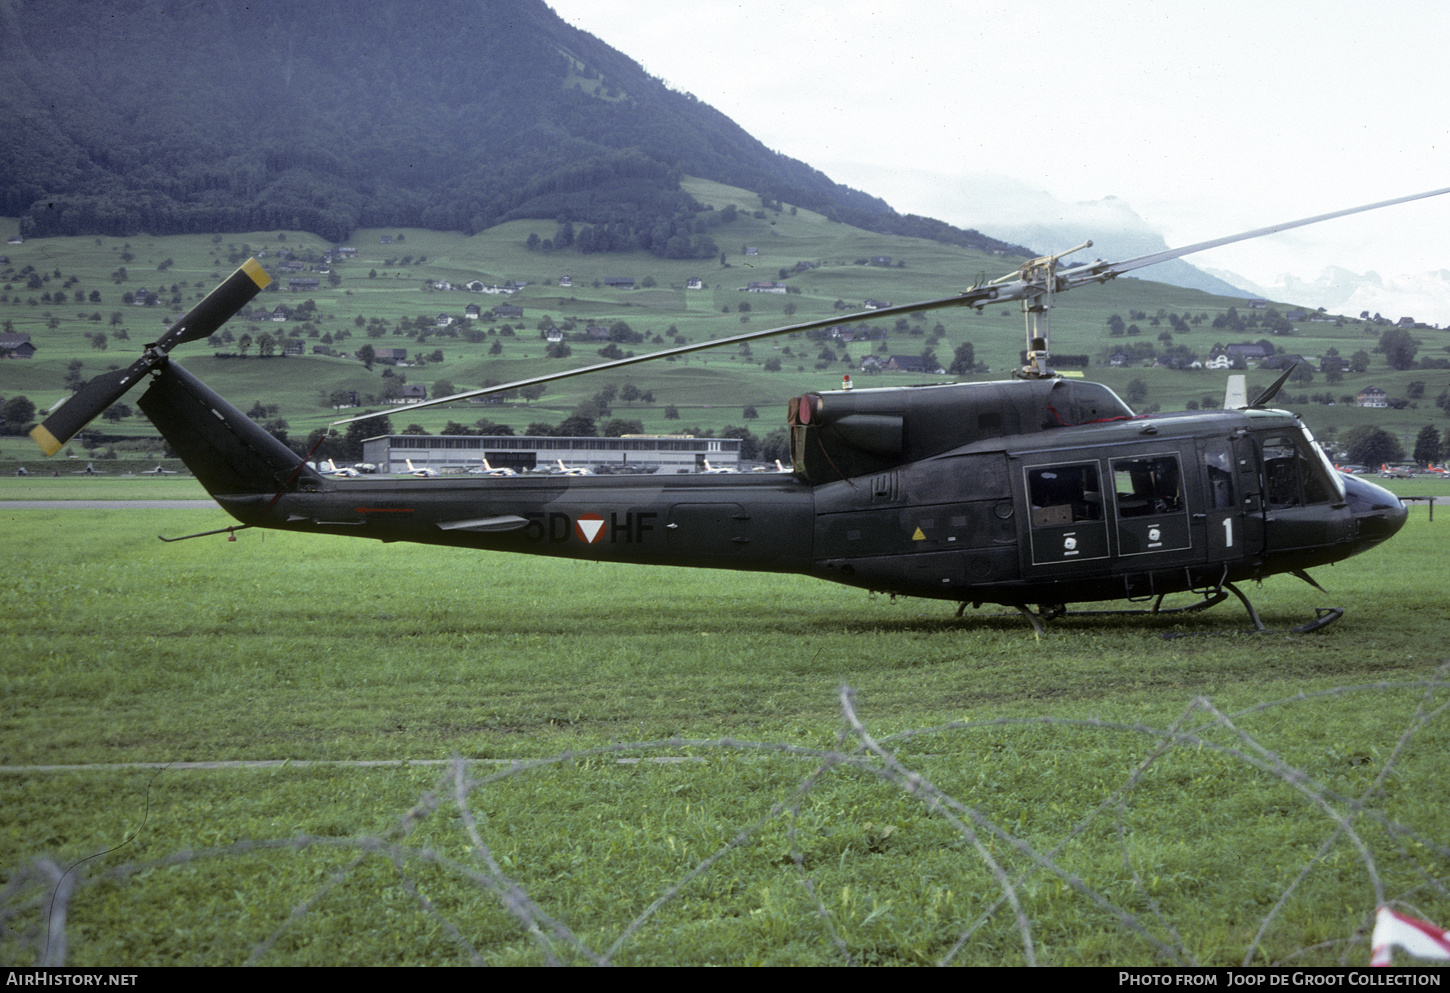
<point x="124" y="116"/>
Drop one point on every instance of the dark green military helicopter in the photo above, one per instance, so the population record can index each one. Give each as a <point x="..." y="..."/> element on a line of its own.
<point x="1032" y="493"/>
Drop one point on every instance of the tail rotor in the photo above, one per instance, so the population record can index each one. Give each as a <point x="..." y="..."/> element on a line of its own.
<point x="68" y="418"/>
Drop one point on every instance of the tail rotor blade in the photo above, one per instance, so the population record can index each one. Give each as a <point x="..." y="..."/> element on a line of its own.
<point x="77" y="411"/>
<point x="235" y="292"/>
<point x="219" y="305"/>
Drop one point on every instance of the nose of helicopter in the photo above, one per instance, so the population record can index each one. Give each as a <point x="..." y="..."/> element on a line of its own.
<point x="1378" y="513"/>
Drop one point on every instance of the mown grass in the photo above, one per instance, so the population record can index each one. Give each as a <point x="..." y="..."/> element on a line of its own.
<point x="283" y="646"/>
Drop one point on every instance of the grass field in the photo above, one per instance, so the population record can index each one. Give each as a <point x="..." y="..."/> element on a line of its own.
<point x="1122" y="791"/>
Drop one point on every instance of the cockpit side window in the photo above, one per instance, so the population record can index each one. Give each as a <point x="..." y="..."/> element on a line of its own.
<point x="1218" y="462"/>
<point x="1293" y="475"/>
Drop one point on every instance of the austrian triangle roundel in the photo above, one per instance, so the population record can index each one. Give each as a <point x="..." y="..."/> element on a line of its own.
<point x="589" y="527"/>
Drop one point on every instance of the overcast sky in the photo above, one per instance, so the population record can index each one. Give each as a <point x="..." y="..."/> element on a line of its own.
<point x="1206" y="118"/>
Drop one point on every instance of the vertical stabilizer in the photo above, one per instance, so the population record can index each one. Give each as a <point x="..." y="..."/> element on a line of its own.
<point x="226" y="449"/>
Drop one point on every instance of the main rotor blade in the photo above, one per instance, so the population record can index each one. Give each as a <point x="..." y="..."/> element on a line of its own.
<point x="1099" y="273"/>
<point x="215" y="309"/>
<point x="973" y="297"/>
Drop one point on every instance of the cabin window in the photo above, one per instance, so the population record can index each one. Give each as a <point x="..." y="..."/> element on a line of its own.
<point x="1065" y="494"/>
<point x="1148" y="486"/>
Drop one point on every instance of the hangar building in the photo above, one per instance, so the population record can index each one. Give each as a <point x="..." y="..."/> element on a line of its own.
<point x="632" y="453"/>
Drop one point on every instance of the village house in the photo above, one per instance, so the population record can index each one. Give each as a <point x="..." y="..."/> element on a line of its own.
<point x="1372" y="396"/>
<point x="16" y="346"/>
<point x="912" y="363"/>
<point x="1249" y="351"/>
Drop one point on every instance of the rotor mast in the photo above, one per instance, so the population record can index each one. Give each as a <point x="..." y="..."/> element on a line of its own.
<point x="1040" y="284"/>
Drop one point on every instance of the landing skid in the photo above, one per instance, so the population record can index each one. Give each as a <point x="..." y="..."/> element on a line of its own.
<point x="1323" y="616"/>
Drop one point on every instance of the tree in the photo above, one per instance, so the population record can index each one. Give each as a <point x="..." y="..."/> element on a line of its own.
<point x="1427" y="445"/>
<point x="672" y="413"/>
<point x="577" y="426"/>
<point x="350" y="448"/>
<point x="368" y="355"/>
<point x="964" y="359"/>
<point x="1372" y="446"/>
<point x="1137" y="392"/>
<point x="18" y="412"/>
<point x="1399" y="348"/>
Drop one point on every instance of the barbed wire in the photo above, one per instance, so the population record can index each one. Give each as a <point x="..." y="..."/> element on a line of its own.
<point x="41" y="893"/>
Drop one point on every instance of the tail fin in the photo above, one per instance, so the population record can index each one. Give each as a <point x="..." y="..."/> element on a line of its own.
<point x="225" y="448"/>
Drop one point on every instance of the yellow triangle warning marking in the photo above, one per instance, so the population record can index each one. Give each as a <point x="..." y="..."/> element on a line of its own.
<point x="918" y="536"/>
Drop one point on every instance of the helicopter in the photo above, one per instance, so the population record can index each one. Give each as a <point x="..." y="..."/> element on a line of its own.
<point x="1031" y="493"/>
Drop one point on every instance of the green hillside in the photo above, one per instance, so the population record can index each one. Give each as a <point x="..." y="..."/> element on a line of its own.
<point x="68" y="294"/>
<point x="233" y="115"/>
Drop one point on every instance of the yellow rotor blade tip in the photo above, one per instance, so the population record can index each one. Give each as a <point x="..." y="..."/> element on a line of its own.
<point x="254" y="269"/>
<point x="47" y="441"/>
